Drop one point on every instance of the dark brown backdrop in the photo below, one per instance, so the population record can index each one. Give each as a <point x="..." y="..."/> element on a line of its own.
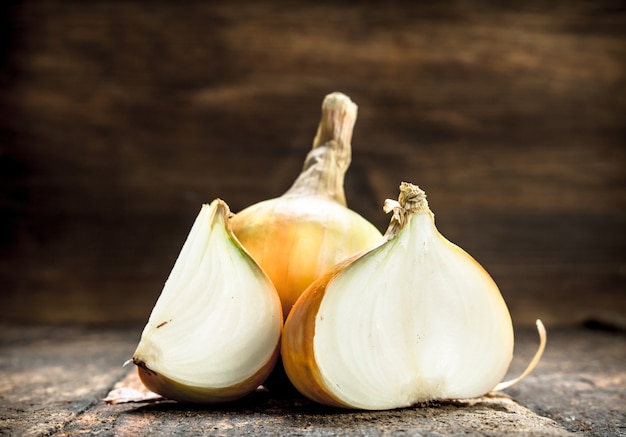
<point x="119" y="118"/>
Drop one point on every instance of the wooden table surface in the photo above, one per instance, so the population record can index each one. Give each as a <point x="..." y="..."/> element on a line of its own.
<point x="53" y="381"/>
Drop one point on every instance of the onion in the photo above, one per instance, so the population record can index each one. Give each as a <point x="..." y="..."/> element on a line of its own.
<point x="303" y="233"/>
<point x="214" y="333"/>
<point x="412" y="320"/>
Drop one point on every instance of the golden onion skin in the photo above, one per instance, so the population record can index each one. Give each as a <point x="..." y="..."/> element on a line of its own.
<point x="297" y="239"/>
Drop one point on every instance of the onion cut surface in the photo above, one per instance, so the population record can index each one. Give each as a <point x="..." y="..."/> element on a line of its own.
<point x="214" y="333"/>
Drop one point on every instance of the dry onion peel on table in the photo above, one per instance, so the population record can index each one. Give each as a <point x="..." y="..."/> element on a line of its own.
<point x="214" y="332"/>
<point x="300" y="235"/>
<point x="414" y="319"/>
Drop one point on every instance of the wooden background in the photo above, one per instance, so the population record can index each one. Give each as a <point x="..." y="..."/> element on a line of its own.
<point x="119" y="118"/>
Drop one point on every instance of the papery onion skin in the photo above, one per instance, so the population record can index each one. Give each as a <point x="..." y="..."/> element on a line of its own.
<point x="300" y="335"/>
<point x="214" y="333"/>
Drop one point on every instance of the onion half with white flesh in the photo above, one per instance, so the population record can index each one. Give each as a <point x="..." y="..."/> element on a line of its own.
<point x="412" y="320"/>
<point x="214" y="333"/>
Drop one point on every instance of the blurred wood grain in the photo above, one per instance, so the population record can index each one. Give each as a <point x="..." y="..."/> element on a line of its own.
<point x="118" y="119"/>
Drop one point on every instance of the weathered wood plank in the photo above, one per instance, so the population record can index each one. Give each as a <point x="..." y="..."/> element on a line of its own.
<point x="50" y="376"/>
<point x="260" y="415"/>
<point x="53" y="380"/>
<point x="581" y="382"/>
